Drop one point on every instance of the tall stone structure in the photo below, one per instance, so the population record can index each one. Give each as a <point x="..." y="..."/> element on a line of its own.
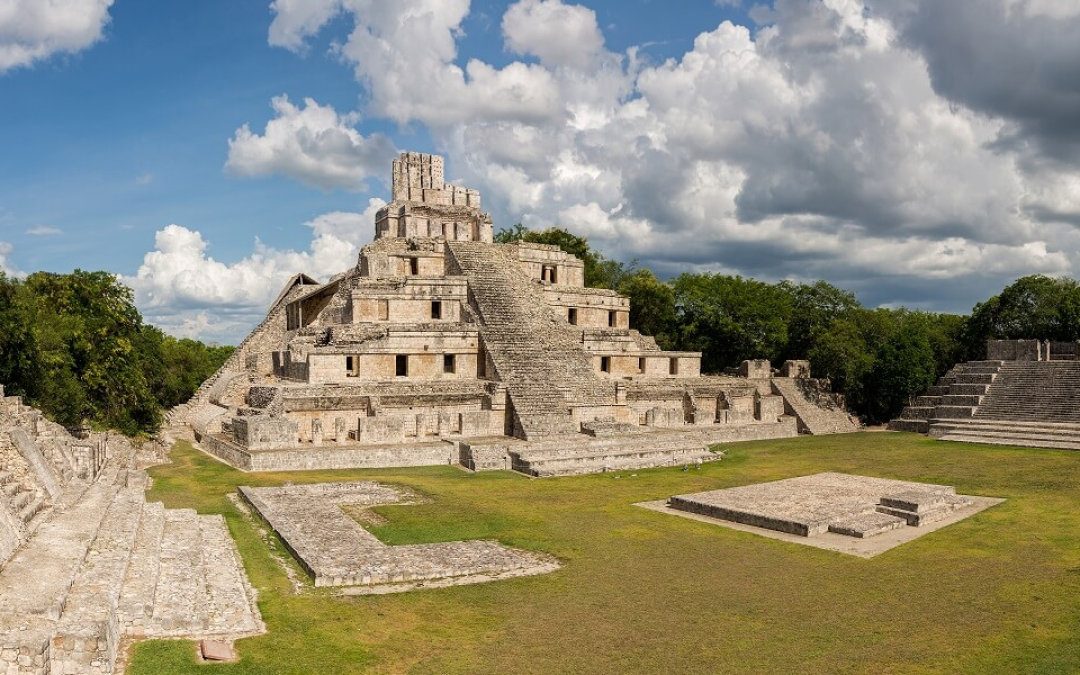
<point x="440" y="346"/>
<point x="1026" y="393"/>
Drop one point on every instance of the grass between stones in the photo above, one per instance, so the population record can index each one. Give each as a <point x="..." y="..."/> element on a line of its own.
<point x="644" y="592"/>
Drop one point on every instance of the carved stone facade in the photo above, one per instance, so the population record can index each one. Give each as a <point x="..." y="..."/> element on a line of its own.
<point x="439" y="346"/>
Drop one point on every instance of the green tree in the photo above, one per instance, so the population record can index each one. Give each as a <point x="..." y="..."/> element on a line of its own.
<point x="599" y="271"/>
<point x="813" y="307"/>
<point x="840" y="353"/>
<point x="730" y="319"/>
<point x="652" y="306"/>
<point x="1032" y="307"/>
<point x="904" y="368"/>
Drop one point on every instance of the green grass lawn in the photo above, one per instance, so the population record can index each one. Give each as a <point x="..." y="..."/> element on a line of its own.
<point x="644" y="592"/>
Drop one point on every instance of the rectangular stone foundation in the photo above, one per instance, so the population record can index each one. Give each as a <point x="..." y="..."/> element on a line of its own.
<point x="812" y="505"/>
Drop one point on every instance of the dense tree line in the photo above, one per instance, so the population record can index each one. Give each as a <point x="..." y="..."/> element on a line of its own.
<point x="75" y="346"/>
<point x="878" y="358"/>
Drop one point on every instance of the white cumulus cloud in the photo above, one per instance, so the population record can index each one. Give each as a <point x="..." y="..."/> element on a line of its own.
<point x="5" y="265"/>
<point x="185" y="291"/>
<point x="32" y="30"/>
<point x="558" y="34"/>
<point x="405" y="53"/>
<point x="313" y="144"/>
<point x="884" y="145"/>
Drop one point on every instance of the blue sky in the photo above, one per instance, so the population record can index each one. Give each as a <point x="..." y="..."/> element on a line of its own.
<point x="917" y="153"/>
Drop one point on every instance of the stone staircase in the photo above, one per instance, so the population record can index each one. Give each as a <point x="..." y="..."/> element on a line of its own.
<point x="817" y="410"/>
<point x="540" y="360"/>
<point x="112" y="566"/>
<point x="26" y="503"/>
<point x="1034" y="391"/>
<point x="956" y="395"/>
<point x="580" y="454"/>
<point x="1062" y="436"/>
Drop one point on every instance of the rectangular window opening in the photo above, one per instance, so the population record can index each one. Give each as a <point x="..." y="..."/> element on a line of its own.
<point x="611" y="319"/>
<point x="402" y="365"/>
<point x="673" y="366"/>
<point x="571" y="316"/>
<point x="436" y="309"/>
<point x="605" y="364"/>
<point x="641" y="364"/>
<point x="414" y="266"/>
<point x="448" y="364"/>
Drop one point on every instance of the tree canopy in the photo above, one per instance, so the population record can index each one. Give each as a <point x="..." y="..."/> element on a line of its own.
<point x="75" y="346"/>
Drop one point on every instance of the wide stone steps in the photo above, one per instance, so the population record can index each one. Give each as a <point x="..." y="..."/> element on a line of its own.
<point x="109" y="565"/>
<point x="813" y="418"/>
<point x="957" y="395"/>
<point x="180" y="598"/>
<point x="1004" y="432"/>
<point x="542" y="364"/>
<point x="573" y="455"/>
<point x="136" y="604"/>
<point x="229" y="608"/>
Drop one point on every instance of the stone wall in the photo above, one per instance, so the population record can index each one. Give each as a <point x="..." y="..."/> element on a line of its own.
<point x="1014" y="350"/>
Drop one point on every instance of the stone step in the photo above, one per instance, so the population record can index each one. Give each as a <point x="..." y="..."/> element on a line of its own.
<point x="36" y="582"/>
<point x="28" y="513"/>
<point x="230" y="607"/>
<point x="21" y="499"/>
<point x="136" y="605"/>
<point x="180" y="597"/>
<point x="991" y="438"/>
<point x="88" y="632"/>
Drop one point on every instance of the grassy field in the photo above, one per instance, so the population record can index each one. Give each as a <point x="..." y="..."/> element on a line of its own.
<point x="643" y="592"/>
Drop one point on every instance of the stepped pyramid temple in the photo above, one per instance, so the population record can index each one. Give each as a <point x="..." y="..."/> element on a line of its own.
<point x="1026" y="392"/>
<point x="442" y="347"/>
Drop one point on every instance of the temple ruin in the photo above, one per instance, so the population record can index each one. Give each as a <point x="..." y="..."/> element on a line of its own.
<point x="1025" y="393"/>
<point x="87" y="564"/>
<point x="442" y="347"/>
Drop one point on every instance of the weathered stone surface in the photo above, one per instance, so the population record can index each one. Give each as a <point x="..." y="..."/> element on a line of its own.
<point x="215" y="650"/>
<point x="438" y="334"/>
<point x="811" y="505"/>
<point x="336" y="551"/>
<point x="106" y="565"/>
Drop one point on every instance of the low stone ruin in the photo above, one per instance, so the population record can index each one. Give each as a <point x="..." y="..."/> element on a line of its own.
<point x="86" y="563"/>
<point x="441" y="346"/>
<point x="833" y="510"/>
<point x="1026" y="393"/>
<point x="336" y="551"/>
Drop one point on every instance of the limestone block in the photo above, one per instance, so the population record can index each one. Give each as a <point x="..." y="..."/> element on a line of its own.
<point x="265" y="433"/>
<point x="1013" y="350"/>
<point x="770" y="408"/>
<point x="796" y="369"/>
<point x="43" y="472"/>
<point x="755" y="369"/>
<point x="735" y="409"/>
<point x="380" y="430"/>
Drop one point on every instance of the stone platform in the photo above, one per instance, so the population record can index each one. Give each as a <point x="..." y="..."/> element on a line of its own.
<point x="853" y="514"/>
<point x="336" y="551"/>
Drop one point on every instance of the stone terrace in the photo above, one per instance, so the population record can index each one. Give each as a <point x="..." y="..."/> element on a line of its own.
<point x="336" y="551"/>
<point x="106" y="565"/>
<point x="827" y="502"/>
<point x="1019" y="399"/>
